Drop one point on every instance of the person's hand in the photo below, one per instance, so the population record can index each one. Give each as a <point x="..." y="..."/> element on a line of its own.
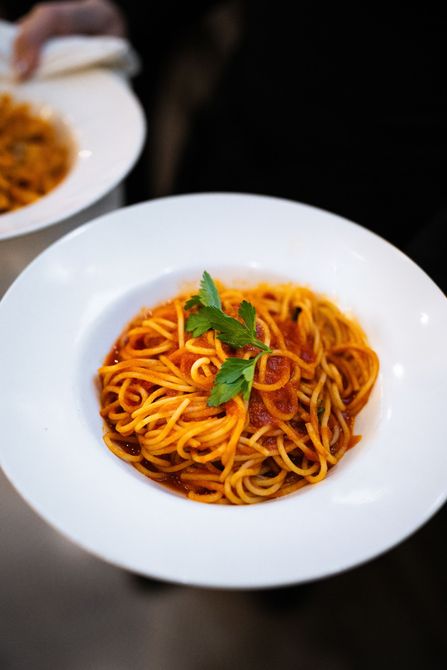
<point x="45" y="20"/>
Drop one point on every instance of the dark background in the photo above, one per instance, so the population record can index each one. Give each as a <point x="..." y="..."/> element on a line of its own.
<point x="345" y="110"/>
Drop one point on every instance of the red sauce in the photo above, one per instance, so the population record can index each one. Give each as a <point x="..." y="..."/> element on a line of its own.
<point x="275" y="369"/>
<point x="113" y="356"/>
<point x="257" y="411"/>
<point x="291" y="334"/>
<point x="231" y="408"/>
<point x="187" y="361"/>
<point x="130" y="448"/>
<point x="355" y="439"/>
<point x="307" y="354"/>
<point x="284" y="399"/>
<point x="295" y="341"/>
<point x="170" y="480"/>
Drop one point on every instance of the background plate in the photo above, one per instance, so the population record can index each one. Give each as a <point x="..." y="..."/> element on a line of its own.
<point x="107" y="124"/>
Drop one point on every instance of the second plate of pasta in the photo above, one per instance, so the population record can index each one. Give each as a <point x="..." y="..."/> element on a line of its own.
<point x="94" y="164"/>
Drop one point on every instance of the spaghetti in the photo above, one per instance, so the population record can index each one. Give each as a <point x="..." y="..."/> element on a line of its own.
<point x="33" y="158"/>
<point x="296" y="424"/>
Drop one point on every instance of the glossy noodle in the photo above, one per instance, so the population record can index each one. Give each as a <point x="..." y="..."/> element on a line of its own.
<point x="296" y="424"/>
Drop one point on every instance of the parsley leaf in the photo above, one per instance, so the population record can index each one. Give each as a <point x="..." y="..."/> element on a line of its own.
<point x="229" y="330"/>
<point x="199" y="322"/>
<point x="248" y="314"/>
<point x="232" y="368"/>
<point x="235" y="376"/>
<point x="221" y="393"/>
<point x="194" y="301"/>
<point x="208" y="295"/>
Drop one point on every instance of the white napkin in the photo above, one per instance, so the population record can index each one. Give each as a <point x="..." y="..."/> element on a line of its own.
<point x="61" y="55"/>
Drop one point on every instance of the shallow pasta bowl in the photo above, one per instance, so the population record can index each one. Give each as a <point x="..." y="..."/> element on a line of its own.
<point x="62" y="315"/>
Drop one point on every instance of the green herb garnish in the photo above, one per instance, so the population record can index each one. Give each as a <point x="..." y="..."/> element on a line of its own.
<point x="236" y="374"/>
<point x="229" y="330"/>
<point x="208" y="295"/>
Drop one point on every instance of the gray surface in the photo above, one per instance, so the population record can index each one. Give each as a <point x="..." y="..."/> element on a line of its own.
<point x="63" y="608"/>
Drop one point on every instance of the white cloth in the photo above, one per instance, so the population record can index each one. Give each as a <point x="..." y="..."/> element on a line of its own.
<point x="61" y="55"/>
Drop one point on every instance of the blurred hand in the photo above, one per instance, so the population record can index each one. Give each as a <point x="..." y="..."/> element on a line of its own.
<point x="45" y="20"/>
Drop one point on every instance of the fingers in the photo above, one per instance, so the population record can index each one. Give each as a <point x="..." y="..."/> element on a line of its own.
<point x="47" y="20"/>
<point x="34" y="29"/>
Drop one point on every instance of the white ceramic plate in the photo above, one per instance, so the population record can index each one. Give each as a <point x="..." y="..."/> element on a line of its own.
<point x="105" y="121"/>
<point x="63" y="313"/>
